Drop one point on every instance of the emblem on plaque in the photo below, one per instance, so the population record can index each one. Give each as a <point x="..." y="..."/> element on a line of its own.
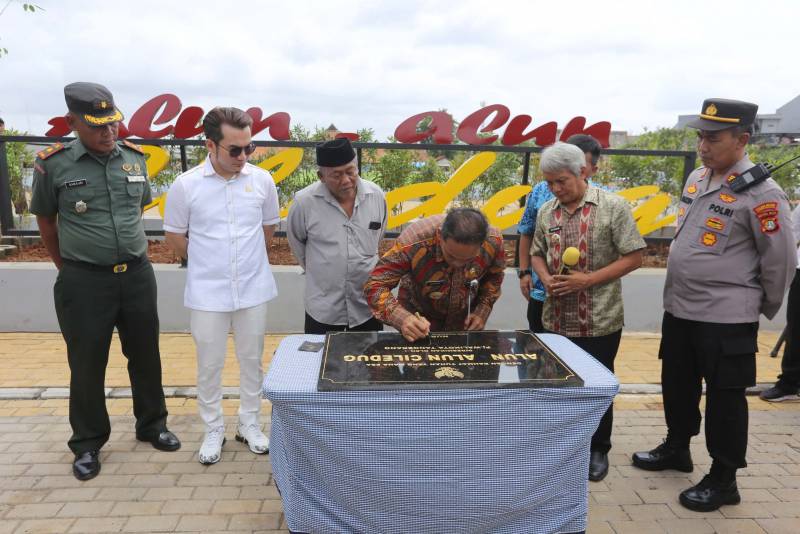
<point x="80" y="206"/>
<point x="448" y="372"/>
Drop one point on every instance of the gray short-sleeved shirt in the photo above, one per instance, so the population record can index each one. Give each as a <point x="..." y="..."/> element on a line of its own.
<point x="338" y="253"/>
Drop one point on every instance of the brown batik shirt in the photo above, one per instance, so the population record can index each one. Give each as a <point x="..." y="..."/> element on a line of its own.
<point x="602" y="229"/>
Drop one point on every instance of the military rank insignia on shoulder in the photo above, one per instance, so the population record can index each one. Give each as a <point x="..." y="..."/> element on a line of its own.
<point x="49" y="151"/>
<point x="133" y="146"/>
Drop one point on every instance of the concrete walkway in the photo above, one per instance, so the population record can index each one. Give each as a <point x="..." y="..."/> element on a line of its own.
<point x="144" y="490"/>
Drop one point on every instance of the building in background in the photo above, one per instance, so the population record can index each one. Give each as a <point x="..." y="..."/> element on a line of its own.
<point x="779" y="128"/>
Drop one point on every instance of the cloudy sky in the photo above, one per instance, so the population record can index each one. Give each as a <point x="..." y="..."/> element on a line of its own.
<point x="374" y="63"/>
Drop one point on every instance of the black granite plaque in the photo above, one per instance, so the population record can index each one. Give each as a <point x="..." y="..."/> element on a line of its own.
<point x="485" y="359"/>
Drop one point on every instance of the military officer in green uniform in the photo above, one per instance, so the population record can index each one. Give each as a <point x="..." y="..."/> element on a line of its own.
<point x="88" y="197"/>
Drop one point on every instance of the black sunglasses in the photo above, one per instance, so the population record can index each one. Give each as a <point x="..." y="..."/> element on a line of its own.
<point x="236" y="151"/>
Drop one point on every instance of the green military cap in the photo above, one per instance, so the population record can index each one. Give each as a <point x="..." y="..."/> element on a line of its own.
<point x="92" y="102"/>
<point x="721" y="113"/>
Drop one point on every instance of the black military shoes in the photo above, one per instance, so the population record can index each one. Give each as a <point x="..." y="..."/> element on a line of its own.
<point x="665" y="456"/>
<point x="710" y="494"/>
<point x="86" y="465"/>
<point x="598" y="466"/>
<point x="163" y="441"/>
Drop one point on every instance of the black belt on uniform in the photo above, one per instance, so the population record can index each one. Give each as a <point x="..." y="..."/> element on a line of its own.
<point x="118" y="268"/>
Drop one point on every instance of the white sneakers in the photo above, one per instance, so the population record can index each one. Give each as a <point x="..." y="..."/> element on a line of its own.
<point x="211" y="449"/>
<point x="250" y="435"/>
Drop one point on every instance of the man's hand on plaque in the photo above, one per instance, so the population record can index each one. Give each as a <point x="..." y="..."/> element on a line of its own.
<point x="415" y="327"/>
<point x="474" y="322"/>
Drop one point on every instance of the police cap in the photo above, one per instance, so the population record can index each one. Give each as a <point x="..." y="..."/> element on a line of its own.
<point x="721" y="113"/>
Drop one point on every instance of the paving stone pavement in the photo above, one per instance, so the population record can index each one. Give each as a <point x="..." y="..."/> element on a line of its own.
<point x="143" y="490"/>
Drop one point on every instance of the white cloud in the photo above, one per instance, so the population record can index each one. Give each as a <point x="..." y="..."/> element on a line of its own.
<point x="372" y="64"/>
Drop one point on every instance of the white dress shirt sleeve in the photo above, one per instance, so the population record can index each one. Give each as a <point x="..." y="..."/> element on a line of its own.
<point x="176" y="212"/>
<point x="271" y="212"/>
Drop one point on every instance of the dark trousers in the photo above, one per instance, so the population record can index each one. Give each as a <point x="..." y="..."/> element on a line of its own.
<point x="89" y="304"/>
<point x="604" y="349"/>
<point x="724" y="356"/>
<point x="535" y="308"/>
<point x="790" y="364"/>
<point x="313" y="326"/>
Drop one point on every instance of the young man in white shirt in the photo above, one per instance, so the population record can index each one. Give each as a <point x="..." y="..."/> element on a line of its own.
<point x="220" y="216"/>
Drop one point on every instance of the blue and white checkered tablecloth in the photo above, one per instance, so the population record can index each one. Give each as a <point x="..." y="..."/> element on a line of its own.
<point x="450" y="461"/>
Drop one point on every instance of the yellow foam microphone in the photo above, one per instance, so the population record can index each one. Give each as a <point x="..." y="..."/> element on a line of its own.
<point x="570" y="259"/>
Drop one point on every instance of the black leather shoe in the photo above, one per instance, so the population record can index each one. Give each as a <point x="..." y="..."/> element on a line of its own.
<point x="86" y="465"/>
<point x="163" y="441"/>
<point x="710" y="494"/>
<point x="598" y="466"/>
<point x="665" y="456"/>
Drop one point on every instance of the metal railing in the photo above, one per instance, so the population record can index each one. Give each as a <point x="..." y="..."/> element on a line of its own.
<point x="7" y="219"/>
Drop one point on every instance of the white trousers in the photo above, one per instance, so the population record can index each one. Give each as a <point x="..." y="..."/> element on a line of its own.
<point x="210" y="333"/>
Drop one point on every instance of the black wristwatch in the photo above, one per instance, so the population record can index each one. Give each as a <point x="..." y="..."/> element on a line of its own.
<point x="523" y="272"/>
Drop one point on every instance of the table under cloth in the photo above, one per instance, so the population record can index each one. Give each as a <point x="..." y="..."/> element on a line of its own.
<point x="501" y="460"/>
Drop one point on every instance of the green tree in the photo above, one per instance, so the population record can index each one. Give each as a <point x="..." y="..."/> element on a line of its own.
<point x="664" y="171"/>
<point x="788" y="177"/>
<point x="18" y="158"/>
<point x="394" y="169"/>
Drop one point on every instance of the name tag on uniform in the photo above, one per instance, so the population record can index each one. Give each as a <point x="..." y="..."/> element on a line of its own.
<point x="74" y="183"/>
<point x="375" y="225"/>
<point x="686" y="199"/>
<point x="135" y="179"/>
<point x="553" y="230"/>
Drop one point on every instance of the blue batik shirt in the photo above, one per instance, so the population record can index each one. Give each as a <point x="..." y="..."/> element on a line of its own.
<point x="536" y="199"/>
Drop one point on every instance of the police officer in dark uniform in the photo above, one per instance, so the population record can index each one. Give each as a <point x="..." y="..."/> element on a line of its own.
<point x="731" y="260"/>
<point x="88" y="197"/>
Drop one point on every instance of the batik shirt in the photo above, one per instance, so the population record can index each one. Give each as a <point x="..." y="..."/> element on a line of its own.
<point x="429" y="285"/>
<point x="602" y="229"/>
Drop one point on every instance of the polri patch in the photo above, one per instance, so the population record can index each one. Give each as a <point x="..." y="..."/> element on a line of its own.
<point x="715" y="223"/>
<point x="767" y="214"/>
<point x="709" y="239"/>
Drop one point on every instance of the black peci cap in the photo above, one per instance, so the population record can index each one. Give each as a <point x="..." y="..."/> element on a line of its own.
<point x="721" y="113"/>
<point x="92" y="102"/>
<point x="335" y="153"/>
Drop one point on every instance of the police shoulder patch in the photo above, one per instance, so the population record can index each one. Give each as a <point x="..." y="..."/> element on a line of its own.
<point x="49" y="151"/>
<point x="133" y="146"/>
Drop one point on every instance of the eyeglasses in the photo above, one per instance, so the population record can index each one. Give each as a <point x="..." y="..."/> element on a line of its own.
<point x="236" y="151"/>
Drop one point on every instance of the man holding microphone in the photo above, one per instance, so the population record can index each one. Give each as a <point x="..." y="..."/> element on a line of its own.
<point x="584" y="304"/>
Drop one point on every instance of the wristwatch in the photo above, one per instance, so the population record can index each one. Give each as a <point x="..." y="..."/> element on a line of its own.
<point x="523" y="272"/>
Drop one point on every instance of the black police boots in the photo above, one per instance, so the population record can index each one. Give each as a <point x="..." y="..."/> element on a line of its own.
<point x="716" y="489"/>
<point x="668" y="455"/>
